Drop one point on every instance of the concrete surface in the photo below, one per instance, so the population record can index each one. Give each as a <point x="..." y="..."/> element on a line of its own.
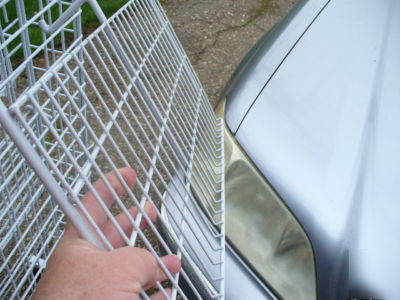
<point x="216" y="34"/>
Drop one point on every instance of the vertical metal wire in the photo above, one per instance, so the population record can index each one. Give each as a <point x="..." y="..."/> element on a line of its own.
<point x="30" y="221"/>
<point x="126" y="96"/>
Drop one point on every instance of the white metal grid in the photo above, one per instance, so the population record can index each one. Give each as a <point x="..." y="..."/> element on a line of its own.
<point x="142" y="106"/>
<point x="23" y="59"/>
<point x="30" y="221"/>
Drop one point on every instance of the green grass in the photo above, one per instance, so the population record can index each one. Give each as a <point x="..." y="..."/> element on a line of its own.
<point x="89" y="21"/>
<point x="109" y="7"/>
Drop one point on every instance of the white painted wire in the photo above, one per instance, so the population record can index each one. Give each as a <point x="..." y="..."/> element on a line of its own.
<point x="128" y="96"/>
<point x="30" y="221"/>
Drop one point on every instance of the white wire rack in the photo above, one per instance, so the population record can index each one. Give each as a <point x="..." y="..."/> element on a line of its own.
<point x="30" y="221"/>
<point x="141" y="106"/>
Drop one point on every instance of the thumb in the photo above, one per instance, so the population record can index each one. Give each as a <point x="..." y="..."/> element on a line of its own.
<point x="143" y="265"/>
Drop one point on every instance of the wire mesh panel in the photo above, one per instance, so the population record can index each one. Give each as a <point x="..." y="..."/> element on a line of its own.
<point x="142" y="108"/>
<point x="30" y="221"/>
<point x="26" y="52"/>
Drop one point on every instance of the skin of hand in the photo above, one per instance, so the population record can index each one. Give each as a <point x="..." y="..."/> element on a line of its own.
<point x="79" y="270"/>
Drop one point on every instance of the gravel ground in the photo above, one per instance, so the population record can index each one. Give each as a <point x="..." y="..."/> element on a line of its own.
<point x="217" y="34"/>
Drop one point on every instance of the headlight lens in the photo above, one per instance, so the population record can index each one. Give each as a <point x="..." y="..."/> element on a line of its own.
<point x="263" y="229"/>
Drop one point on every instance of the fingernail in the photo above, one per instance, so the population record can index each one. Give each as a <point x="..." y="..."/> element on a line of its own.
<point x="172" y="262"/>
<point x="129" y="175"/>
<point x="151" y="211"/>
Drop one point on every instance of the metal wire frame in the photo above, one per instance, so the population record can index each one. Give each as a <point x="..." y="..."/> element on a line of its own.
<point x="142" y="106"/>
<point x="19" y="54"/>
<point x="30" y="221"/>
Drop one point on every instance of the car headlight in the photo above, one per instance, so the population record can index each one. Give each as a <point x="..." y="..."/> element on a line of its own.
<point x="263" y="230"/>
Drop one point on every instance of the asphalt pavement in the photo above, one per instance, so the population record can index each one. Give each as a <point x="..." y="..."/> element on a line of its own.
<point x="216" y="34"/>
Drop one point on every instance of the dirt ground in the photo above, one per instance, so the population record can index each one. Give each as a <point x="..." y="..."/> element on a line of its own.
<point x="216" y="34"/>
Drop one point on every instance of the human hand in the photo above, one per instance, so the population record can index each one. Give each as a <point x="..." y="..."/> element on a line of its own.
<point x="79" y="270"/>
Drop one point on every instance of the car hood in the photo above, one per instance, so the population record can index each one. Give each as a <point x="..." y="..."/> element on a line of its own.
<point x="260" y="63"/>
<point x="325" y="132"/>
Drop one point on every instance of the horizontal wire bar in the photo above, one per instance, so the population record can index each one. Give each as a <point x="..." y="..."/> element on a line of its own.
<point x="162" y="100"/>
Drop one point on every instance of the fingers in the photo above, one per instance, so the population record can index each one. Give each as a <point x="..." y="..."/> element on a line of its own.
<point x="125" y="223"/>
<point x="143" y="265"/>
<point x="160" y="295"/>
<point x="91" y="204"/>
<point x="89" y="199"/>
<point x="172" y="263"/>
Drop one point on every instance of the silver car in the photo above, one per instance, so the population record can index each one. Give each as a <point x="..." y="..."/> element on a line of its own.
<point x="312" y="156"/>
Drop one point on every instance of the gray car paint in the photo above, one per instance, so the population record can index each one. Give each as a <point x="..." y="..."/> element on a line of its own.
<point x="240" y="281"/>
<point x="325" y="132"/>
<point x="265" y="57"/>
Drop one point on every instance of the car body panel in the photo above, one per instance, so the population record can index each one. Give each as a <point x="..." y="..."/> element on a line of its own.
<point x="240" y="281"/>
<point x="325" y="132"/>
<point x="261" y="62"/>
